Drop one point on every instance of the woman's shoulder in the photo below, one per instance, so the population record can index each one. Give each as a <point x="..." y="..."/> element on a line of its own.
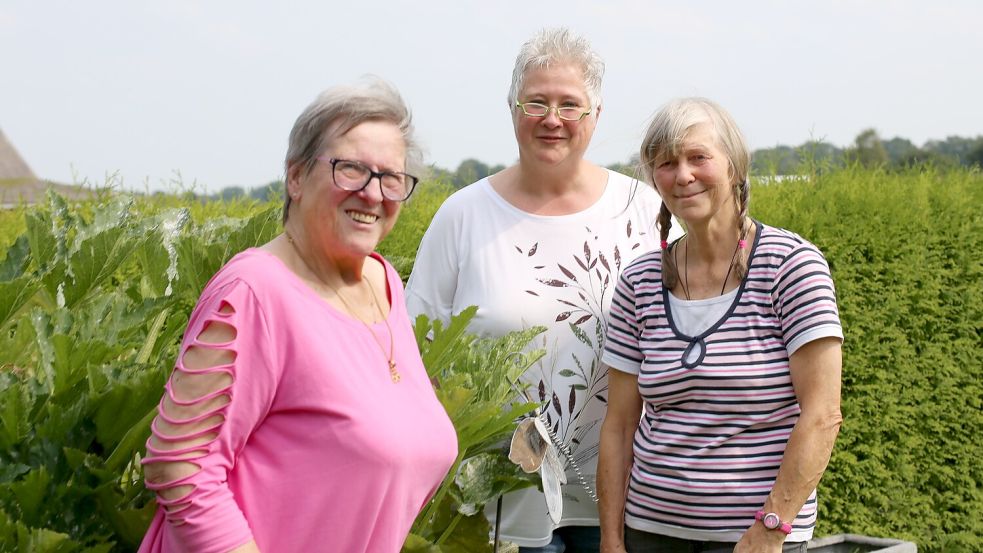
<point x="254" y="269"/>
<point x="469" y="194"/>
<point x="631" y="196"/>
<point x="646" y="266"/>
<point x="782" y="242"/>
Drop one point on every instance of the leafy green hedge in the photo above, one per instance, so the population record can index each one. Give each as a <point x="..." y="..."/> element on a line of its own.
<point x="906" y="252"/>
<point x="90" y="320"/>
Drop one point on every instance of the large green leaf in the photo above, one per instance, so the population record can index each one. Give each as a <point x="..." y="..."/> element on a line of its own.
<point x="16" y="260"/>
<point x="158" y="256"/>
<point x="14" y="294"/>
<point x="483" y="478"/>
<point x="41" y="238"/>
<point x="31" y="491"/>
<point x="96" y="259"/>
<point x="15" y="408"/>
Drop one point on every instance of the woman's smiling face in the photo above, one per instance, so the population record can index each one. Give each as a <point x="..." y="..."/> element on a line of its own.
<point x="342" y="222"/>
<point x="695" y="182"/>
<point x="549" y="139"/>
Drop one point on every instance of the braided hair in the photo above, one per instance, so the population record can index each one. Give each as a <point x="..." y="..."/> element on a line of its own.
<point x="665" y="135"/>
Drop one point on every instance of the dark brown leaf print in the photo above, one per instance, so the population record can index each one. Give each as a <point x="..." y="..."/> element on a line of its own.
<point x="553" y="282"/>
<point x="572" y="402"/>
<point x="518" y="249"/>
<point x="570" y="303"/>
<point x="563" y="316"/>
<point x="582" y="296"/>
<point x="586" y="252"/>
<point x="542" y="391"/>
<point x="629" y="227"/>
<point x="617" y="258"/>
<point x="598" y="273"/>
<point x="532" y="293"/>
<point x="592" y="263"/>
<point x="604" y="261"/>
<point x="635" y="247"/>
<point x="581" y="263"/>
<point x="539" y="266"/>
<point x="567" y="272"/>
<point x="601" y="398"/>
<point x="583" y="319"/>
<point x="532" y="251"/>
<point x="556" y="404"/>
<point x="607" y="279"/>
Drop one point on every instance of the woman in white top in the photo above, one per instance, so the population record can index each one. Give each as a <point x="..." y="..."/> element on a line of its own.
<point x="729" y="340"/>
<point x="542" y="243"/>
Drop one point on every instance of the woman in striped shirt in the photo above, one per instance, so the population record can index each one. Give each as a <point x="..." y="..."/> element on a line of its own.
<point x="724" y="402"/>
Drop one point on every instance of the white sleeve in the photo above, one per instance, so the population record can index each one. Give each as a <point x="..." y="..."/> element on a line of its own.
<point x="432" y="285"/>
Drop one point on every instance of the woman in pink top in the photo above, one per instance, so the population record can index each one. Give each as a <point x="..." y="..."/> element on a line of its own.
<point x="299" y="416"/>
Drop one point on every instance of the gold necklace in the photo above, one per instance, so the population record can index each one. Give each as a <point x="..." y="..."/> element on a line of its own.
<point x="393" y="373"/>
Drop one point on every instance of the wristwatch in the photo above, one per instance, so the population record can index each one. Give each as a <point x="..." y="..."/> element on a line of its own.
<point x="773" y="522"/>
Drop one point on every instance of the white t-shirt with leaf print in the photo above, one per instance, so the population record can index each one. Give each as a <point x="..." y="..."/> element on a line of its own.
<point x="523" y="270"/>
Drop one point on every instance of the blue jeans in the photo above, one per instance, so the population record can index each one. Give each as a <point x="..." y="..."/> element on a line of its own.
<point x="637" y="541"/>
<point x="571" y="539"/>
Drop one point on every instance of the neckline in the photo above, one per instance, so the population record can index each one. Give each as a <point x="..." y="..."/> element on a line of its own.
<point x="337" y="313"/>
<point x="733" y="304"/>
<point x="508" y="206"/>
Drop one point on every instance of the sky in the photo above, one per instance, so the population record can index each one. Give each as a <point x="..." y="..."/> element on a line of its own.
<point x="183" y="94"/>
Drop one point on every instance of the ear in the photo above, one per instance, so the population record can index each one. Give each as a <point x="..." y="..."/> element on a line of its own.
<point x="294" y="177"/>
<point x="598" y="113"/>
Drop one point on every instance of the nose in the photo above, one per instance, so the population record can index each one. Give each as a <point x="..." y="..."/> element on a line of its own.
<point x="552" y="117"/>
<point x="684" y="174"/>
<point x="371" y="192"/>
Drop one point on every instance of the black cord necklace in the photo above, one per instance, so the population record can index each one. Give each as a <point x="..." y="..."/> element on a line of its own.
<point x="685" y="281"/>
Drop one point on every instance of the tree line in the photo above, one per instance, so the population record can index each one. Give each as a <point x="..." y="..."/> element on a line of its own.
<point x="868" y="149"/>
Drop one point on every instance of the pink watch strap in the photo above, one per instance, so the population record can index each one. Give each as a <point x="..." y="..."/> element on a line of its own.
<point x="782" y="526"/>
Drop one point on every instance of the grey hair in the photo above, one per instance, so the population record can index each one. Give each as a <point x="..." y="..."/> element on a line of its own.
<point x="665" y="136"/>
<point x="554" y="46"/>
<point x="338" y="110"/>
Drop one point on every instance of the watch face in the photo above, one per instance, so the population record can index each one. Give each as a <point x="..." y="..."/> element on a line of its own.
<point x="771" y="521"/>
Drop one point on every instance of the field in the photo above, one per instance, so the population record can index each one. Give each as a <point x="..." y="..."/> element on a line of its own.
<point x="94" y="297"/>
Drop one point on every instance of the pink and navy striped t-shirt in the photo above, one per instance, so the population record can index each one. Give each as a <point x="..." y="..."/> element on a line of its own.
<point x="718" y="407"/>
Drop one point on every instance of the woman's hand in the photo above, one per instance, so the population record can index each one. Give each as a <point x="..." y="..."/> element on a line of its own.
<point x="758" y="539"/>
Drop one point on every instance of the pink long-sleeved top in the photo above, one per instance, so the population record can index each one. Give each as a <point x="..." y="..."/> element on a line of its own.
<point x="316" y="449"/>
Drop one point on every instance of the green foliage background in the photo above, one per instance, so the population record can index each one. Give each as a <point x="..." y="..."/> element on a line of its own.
<point x="88" y="333"/>
<point x="906" y="252"/>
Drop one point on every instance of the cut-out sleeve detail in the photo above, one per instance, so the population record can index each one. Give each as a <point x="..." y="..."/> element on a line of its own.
<point x="221" y="388"/>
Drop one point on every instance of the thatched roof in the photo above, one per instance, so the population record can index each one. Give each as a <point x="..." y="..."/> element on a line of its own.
<point x="18" y="184"/>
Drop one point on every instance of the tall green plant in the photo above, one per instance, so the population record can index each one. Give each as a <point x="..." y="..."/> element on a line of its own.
<point x="92" y="304"/>
<point x="475" y="379"/>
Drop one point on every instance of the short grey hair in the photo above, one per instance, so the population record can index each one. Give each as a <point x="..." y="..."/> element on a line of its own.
<point x="338" y="110"/>
<point x="555" y="46"/>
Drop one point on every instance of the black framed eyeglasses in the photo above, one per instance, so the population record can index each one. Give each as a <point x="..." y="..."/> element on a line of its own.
<point x="567" y="113"/>
<point x="354" y="177"/>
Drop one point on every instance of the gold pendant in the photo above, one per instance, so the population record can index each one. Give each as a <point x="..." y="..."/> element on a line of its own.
<point x="393" y="374"/>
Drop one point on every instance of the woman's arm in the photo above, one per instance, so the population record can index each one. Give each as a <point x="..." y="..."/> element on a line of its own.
<point x="815" y="368"/>
<point x="221" y="387"/>
<point x="615" y="457"/>
<point x="432" y="286"/>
